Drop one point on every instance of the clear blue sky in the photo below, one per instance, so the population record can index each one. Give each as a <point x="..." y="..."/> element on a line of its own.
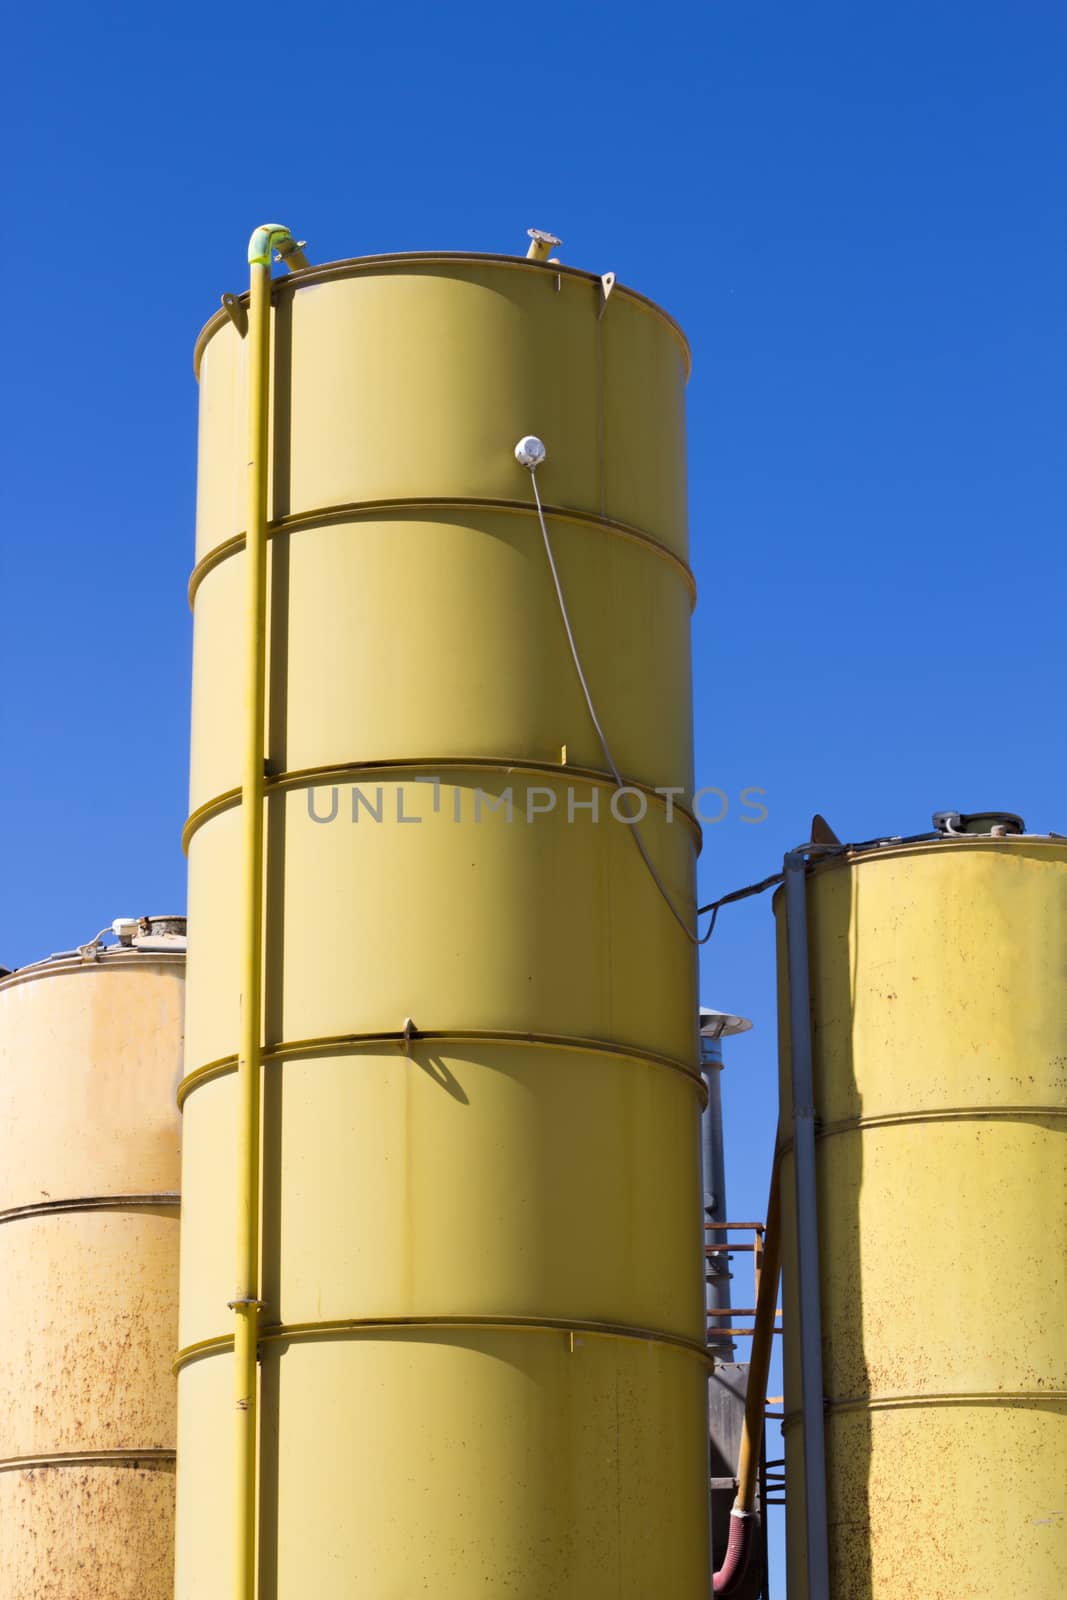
<point x="855" y="211"/>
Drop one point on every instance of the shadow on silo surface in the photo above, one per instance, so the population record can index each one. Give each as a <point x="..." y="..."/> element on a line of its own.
<point x="832" y="964"/>
<point x="269" y="1478"/>
<point x="835" y="965"/>
<point x="282" y="406"/>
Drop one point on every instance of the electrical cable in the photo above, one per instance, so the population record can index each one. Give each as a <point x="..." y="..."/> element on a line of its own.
<point x="530" y="452"/>
<point x="737" y="894"/>
<point x="694" y="938"/>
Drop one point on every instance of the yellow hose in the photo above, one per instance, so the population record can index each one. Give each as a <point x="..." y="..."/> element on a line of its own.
<point x="246" y="1303"/>
<point x="760" y="1356"/>
<point x="742" y="1517"/>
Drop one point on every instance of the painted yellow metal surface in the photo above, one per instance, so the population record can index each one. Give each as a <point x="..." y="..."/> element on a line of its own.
<point x="482" y="1340"/>
<point x="940" y="1093"/>
<point x="90" y="1057"/>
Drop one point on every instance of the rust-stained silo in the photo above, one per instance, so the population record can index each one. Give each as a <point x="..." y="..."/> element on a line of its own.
<point x="937" y="1049"/>
<point x="90" y="1057"/>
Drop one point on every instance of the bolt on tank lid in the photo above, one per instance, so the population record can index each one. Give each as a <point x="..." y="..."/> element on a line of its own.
<point x="953" y="824"/>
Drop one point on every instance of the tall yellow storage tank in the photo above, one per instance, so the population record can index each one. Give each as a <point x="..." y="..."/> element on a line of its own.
<point x="939" y="1040"/>
<point x="90" y="1058"/>
<point x="482" y="1349"/>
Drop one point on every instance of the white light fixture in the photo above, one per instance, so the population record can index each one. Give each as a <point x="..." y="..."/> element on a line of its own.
<point x="530" y="451"/>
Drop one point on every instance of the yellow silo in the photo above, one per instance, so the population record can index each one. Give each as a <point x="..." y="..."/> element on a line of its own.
<point x="938" y="1049"/>
<point x="481" y="1335"/>
<point x="90" y="1059"/>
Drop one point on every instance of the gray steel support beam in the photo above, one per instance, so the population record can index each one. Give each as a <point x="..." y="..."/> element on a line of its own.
<point x="807" y="1227"/>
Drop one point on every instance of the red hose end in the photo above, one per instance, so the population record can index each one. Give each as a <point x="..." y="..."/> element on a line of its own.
<point x="738" y="1550"/>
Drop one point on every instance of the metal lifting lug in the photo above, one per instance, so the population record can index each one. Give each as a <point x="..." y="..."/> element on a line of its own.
<point x="236" y="312"/>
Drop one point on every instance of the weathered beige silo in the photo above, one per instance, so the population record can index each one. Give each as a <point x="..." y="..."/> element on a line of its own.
<point x="90" y="1057"/>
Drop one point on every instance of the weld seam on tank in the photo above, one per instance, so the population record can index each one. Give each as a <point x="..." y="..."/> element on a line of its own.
<point x="92" y="1202"/>
<point x="369" y="510"/>
<point x="911" y="1402"/>
<point x="349" y="1043"/>
<point x="905" y="1119"/>
<point x="297" y="777"/>
<point x="358" y="266"/>
<point x="358" y="1327"/>
<point x="150" y="1456"/>
<point x="312" y="777"/>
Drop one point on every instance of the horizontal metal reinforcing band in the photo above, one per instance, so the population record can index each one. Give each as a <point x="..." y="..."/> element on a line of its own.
<point x="169" y="1198"/>
<point x="350" y="1043"/>
<point x="901" y="1119"/>
<point x="908" y="1402"/>
<point x="150" y="1457"/>
<point x="368" y="510"/>
<point x="352" y="771"/>
<point x="356" y="1327"/>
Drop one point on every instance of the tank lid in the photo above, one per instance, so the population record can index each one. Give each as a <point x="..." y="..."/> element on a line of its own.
<point x="160" y="933"/>
<point x="951" y="824"/>
<point x="146" y="935"/>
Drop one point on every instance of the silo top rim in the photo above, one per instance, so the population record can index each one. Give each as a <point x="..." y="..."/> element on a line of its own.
<point x="356" y="265"/>
<point x="878" y="850"/>
<point x="149" y="953"/>
<point x="851" y="855"/>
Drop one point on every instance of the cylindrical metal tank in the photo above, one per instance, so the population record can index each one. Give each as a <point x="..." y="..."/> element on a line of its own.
<point x="483" y="1366"/>
<point x="939" y="1040"/>
<point x="90" y="1059"/>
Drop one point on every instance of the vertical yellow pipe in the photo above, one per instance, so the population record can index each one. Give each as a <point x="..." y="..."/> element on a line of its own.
<point x="246" y="1303"/>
